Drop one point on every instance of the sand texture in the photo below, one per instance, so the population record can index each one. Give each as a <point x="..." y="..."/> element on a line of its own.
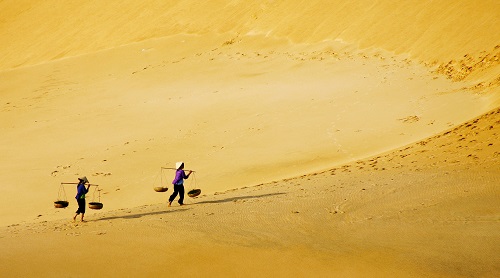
<point x="329" y="138"/>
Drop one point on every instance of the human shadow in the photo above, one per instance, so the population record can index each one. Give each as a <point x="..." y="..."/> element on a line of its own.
<point x="238" y="198"/>
<point x="139" y="215"/>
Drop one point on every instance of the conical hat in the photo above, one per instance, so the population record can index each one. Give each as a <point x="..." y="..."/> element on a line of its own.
<point x="178" y="165"/>
<point x="84" y="178"/>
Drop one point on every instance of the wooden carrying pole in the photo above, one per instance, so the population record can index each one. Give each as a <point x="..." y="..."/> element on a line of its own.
<point x="176" y="169"/>
<point x="77" y="183"/>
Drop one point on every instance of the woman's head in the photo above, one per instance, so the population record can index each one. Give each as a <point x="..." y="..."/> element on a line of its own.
<point x="179" y="165"/>
<point x="84" y="179"/>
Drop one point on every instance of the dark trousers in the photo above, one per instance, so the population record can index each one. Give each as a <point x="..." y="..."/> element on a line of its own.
<point x="178" y="189"/>
<point x="81" y="206"/>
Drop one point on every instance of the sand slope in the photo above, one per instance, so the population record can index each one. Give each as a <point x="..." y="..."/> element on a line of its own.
<point x="256" y="98"/>
<point x="239" y="113"/>
<point x="428" y="209"/>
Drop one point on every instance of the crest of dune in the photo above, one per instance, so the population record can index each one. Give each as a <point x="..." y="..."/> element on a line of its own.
<point x="434" y="32"/>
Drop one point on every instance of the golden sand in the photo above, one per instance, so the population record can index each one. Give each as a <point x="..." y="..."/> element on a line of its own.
<point x="329" y="138"/>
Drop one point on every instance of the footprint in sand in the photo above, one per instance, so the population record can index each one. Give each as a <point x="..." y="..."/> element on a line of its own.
<point x="102" y="174"/>
<point x="410" y="119"/>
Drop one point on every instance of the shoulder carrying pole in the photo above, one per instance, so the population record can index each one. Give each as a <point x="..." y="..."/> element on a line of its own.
<point x="176" y="169"/>
<point x="77" y="183"/>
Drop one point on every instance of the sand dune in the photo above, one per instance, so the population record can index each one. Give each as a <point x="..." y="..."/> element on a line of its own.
<point x="329" y="137"/>
<point x="239" y="114"/>
<point x="428" y="209"/>
<point x="429" y="31"/>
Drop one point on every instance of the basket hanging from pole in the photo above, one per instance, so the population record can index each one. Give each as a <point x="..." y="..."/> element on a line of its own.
<point x="160" y="188"/>
<point x="96" y="205"/>
<point x="196" y="191"/>
<point x="61" y="202"/>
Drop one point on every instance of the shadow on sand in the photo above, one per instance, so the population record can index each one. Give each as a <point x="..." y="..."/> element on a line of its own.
<point x="233" y="199"/>
<point x="139" y="215"/>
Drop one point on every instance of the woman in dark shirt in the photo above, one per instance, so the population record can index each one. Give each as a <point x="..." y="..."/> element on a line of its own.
<point x="80" y="196"/>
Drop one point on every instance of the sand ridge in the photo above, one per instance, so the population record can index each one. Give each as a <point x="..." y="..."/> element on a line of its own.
<point x="422" y="25"/>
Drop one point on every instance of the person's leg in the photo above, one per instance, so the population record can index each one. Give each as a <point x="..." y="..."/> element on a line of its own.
<point x="181" y="195"/>
<point x="77" y="211"/>
<point x="172" y="197"/>
<point x="81" y="208"/>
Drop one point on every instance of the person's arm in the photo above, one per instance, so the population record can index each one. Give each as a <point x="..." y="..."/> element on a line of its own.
<point x="187" y="176"/>
<point x="88" y="187"/>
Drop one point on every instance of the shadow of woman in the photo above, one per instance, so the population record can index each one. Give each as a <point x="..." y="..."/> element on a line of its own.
<point x="139" y="215"/>
<point x="238" y="198"/>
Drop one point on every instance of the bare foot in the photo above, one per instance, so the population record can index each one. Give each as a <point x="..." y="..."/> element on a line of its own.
<point x="169" y="204"/>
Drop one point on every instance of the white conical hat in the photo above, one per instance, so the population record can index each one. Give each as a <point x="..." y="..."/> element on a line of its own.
<point x="178" y="165"/>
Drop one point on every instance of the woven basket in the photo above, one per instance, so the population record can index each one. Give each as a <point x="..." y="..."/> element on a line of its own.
<point x="61" y="204"/>
<point x="160" y="189"/>
<point x="95" y="205"/>
<point x="193" y="193"/>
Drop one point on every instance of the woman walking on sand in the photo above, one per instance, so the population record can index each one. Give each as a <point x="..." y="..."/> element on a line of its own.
<point x="178" y="183"/>
<point x="80" y="196"/>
